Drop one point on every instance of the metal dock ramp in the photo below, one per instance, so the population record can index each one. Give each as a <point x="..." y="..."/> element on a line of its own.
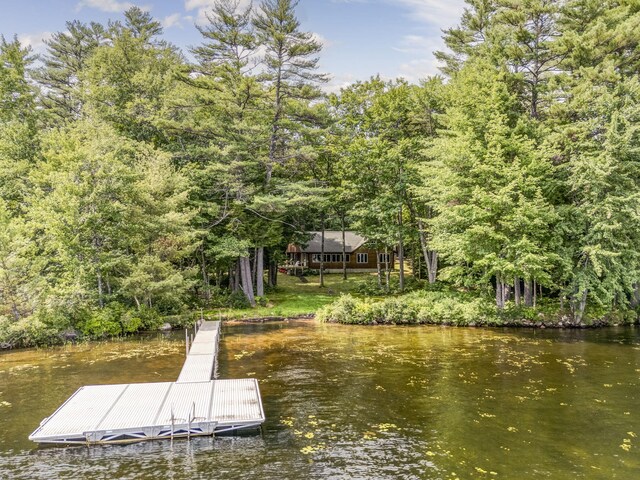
<point x="144" y="411"/>
<point x="200" y="365"/>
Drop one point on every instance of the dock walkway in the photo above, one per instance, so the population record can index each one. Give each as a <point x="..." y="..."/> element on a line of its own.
<point x="194" y="405"/>
<point x="200" y="365"/>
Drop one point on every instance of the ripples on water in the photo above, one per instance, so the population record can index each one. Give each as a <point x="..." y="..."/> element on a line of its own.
<point x="358" y="402"/>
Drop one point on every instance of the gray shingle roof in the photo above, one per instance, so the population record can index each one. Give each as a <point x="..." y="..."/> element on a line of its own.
<point x="333" y="242"/>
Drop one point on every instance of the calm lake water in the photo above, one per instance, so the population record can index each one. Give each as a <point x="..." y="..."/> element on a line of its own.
<point x="358" y="402"/>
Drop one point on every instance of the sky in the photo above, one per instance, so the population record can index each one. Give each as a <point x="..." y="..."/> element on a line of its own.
<point x="361" y="38"/>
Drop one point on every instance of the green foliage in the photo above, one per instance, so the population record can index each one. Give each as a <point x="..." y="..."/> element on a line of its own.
<point x="413" y="308"/>
<point x="373" y="288"/>
<point x="135" y="182"/>
<point x="27" y="332"/>
<point x="237" y="300"/>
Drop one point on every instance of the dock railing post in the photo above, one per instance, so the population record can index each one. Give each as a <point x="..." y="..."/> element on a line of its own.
<point x="173" y="422"/>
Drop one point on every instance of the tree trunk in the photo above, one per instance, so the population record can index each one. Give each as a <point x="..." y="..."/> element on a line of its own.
<point x="322" y="255"/>
<point x="635" y="297"/>
<point x="271" y="274"/>
<point x="379" y="268"/>
<point x="205" y="276"/>
<point x="237" y="276"/>
<point x="499" y="293"/>
<point x="254" y="264"/>
<point x="516" y="291"/>
<point x="506" y="288"/>
<point x="528" y="294"/>
<point x="400" y="251"/>
<point x="430" y="257"/>
<point x="100" y="289"/>
<point x="275" y="127"/>
<point x="275" y="272"/>
<point x="582" y="305"/>
<point x="534" y="294"/>
<point x="247" y="283"/>
<point x="344" y="251"/>
<point x="433" y="266"/>
<point x="387" y="272"/>
<point x="260" y="272"/>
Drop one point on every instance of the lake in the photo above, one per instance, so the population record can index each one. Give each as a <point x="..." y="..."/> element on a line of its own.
<point x="346" y="402"/>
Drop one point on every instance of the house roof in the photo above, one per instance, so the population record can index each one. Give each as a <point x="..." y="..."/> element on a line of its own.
<point x="333" y="242"/>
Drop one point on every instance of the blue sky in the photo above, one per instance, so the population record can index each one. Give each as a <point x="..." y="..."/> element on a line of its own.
<point x="361" y="37"/>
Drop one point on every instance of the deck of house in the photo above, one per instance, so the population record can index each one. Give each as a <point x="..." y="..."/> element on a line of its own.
<point x="194" y="405"/>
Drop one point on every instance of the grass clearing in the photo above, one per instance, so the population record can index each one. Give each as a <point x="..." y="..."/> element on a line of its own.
<point x="293" y="297"/>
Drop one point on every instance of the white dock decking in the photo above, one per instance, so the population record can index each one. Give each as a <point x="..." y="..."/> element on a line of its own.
<point x="194" y="405"/>
<point x="200" y="364"/>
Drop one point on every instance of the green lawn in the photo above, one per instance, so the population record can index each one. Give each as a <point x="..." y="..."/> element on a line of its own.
<point x="295" y="298"/>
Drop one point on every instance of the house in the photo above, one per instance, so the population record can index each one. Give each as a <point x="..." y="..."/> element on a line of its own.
<point x="360" y="257"/>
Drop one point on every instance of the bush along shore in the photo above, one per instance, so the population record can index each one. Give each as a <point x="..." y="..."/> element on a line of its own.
<point x="47" y="329"/>
<point x="443" y="308"/>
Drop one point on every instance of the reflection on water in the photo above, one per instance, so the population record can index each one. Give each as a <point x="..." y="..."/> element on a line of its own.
<point x="359" y="402"/>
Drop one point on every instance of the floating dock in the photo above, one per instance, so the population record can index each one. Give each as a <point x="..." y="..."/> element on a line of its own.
<point x="195" y="405"/>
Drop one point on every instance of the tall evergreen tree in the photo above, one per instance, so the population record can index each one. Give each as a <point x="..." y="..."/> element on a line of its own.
<point x="291" y="62"/>
<point x="130" y="77"/>
<point x="62" y="68"/>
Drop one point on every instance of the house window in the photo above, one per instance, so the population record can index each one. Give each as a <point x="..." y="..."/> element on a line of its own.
<point x="384" y="258"/>
<point x="362" y="258"/>
<point x="331" y="258"/>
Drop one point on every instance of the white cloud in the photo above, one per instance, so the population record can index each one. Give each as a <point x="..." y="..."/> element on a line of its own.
<point x="108" y="5"/>
<point x="418" y="44"/>
<point x="204" y="6"/>
<point x="419" y="69"/>
<point x="444" y="13"/>
<point x="35" y="41"/>
<point x="322" y="40"/>
<point x="440" y="12"/>
<point x="173" y="20"/>
<point x="338" y="82"/>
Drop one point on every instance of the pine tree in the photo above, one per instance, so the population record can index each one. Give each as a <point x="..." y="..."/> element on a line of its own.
<point x="290" y="61"/>
<point x="62" y="70"/>
<point x="470" y="38"/>
<point x="131" y="76"/>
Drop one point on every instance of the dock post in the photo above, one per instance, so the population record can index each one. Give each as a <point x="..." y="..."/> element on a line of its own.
<point x="173" y="423"/>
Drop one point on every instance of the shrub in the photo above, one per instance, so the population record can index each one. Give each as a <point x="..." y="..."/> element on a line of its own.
<point x="237" y="300"/>
<point x="262" y="301"/>
<point x="371" y="287"/>
<point x="26" y="332"/>
<point x="413" y="308"/>
<point x="104" y="322"/>
<point x="343" y="310"/>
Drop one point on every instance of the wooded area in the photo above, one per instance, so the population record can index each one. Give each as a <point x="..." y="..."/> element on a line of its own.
<point x="138" y="180"/>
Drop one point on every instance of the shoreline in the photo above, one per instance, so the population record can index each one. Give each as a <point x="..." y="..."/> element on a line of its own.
<point x="564" y="324"/>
